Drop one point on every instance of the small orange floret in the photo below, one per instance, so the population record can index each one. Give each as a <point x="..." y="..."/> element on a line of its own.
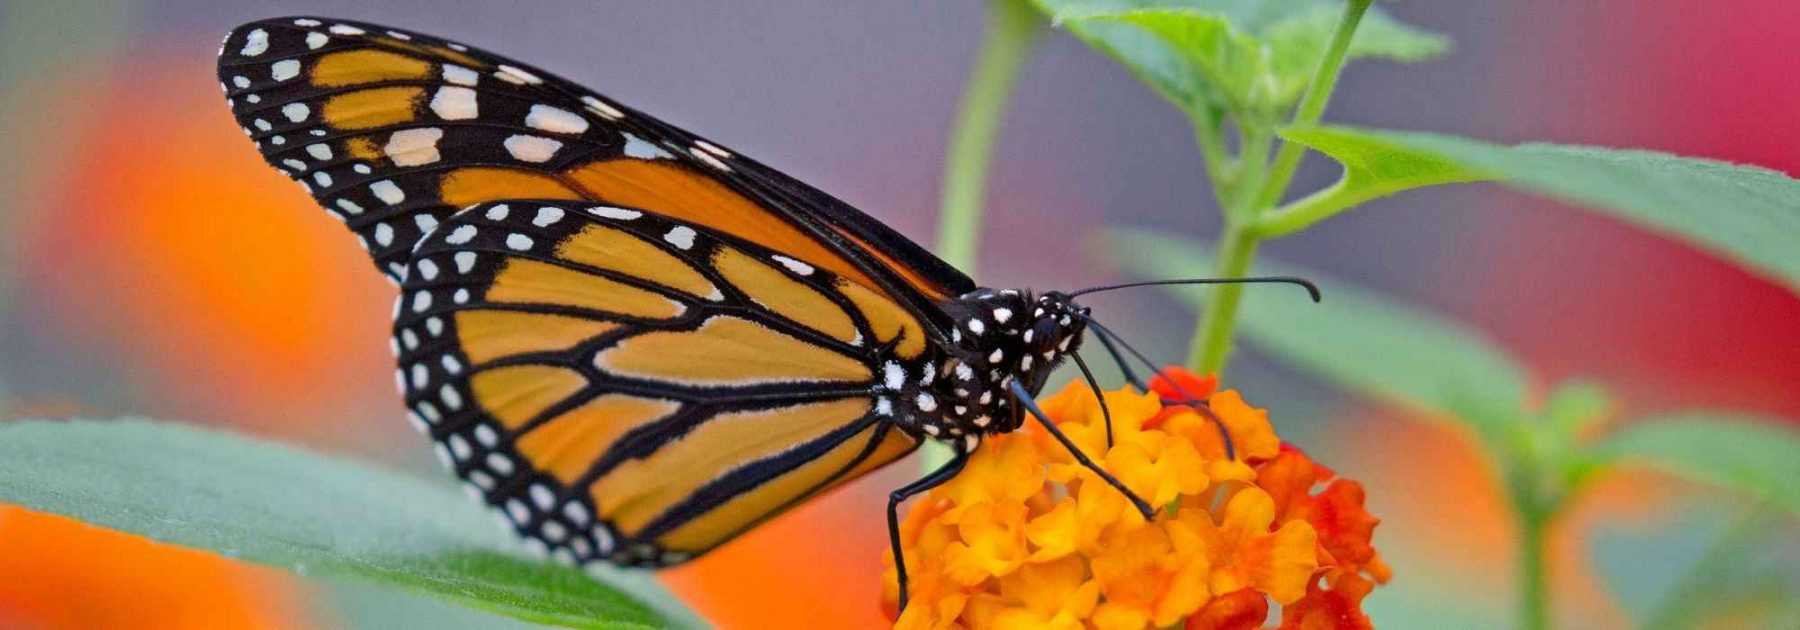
<point x="1027" y="538"/>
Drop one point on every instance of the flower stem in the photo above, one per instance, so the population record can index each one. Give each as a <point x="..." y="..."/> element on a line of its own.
<point x="1260" y="184"/>
<point x="1013" y="27"/>
<point x="1312" y="106"/>
<point x="1534" y="594"/>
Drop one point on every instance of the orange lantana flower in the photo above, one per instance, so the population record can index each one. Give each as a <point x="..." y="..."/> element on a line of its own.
<point x="1027" y="538"/>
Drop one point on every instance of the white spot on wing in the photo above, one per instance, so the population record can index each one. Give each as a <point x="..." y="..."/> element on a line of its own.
<point x="388" y="192"/>
<point x="464" y="261"/>
<point x="794" y="265"/>
<point x="414" y="147"/>
<point x="636" y="147"/>
<point x="682" y="236"/>
<point x="600" y="107"/>
<point x="614" y="213"/>
<point x="712" y="148"/>
<point x="284" y="69"/>
<point x="459" y="75"/>
<point x="346" y="29"/>
<point x="498" y="213"/>
<point x="547" y="216"/>
<point x="709" y="159"/>
<point x="384" y="234"/>
<point x="319" y="151"/>
<point x="257" y="43"/>
<point x="531" y="148"/>
<point x="514" y="75"/>
<point x="316" y="40"/>
<point x="454" y="103"/>
<point x="555" y="120"/>
<point x="462" y="234"/>
<point x="518" y="241"/>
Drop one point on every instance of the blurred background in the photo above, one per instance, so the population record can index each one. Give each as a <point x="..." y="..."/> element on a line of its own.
<point x="154" y="266"/>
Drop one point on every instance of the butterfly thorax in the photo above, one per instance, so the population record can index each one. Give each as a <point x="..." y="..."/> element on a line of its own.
<point x="999" y="337"/>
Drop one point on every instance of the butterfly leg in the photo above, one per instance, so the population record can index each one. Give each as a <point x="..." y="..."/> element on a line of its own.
<point x="1094" y="384"/>
<point x="1024" y="397"/>
<point x="936" y="478"/>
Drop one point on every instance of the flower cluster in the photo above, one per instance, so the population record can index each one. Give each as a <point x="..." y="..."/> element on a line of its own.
<point x="1025" y="537"/>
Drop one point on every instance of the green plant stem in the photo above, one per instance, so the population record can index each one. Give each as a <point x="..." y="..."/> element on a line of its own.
<point x="1013" y="27"/>
<point x="1220" y="168"/>
<point x="1256" y="185"/>
<point x="1534" y="592"/>
<point x="1312" y="105"/>
<point x="1212" y="341"/>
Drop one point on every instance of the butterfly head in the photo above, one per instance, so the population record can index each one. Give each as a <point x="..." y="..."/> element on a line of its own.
<point x="999" y="337"/>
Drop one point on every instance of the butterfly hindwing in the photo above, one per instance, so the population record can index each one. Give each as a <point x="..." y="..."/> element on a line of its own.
<point x="632" y="387"/>
<point x="392" y="131"/>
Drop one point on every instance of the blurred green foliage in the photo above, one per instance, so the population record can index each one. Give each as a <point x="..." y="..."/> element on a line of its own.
<point x="313" y="514"/>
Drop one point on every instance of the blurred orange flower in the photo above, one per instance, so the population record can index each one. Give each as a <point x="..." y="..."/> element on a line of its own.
<point x="56" y="572"/>
<point x="1025" y="537"/>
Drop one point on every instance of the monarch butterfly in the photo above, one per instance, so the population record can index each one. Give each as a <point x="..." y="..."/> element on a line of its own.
<point x="633" y="342"/>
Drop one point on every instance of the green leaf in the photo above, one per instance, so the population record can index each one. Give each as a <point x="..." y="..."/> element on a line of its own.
<point x="1355" y="338"/>
<point x="313" y="514"/>
<point x="1757" y="456"/>
<point x="1251" y="57"/>
<point x="1746" y="214"/>
<point x="1297" y="42"/>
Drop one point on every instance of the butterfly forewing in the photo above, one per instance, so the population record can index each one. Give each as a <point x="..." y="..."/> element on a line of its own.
<point x="392" y="131"/>
<point x="633" y="387"/>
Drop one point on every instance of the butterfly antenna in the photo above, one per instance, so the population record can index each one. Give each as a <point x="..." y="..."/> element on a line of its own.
<point x="1118" y="358"/>
<point x="1311" y="289"/>
<point x="1192" y="399"/>
<point x="1094" y="384"/>
<point x="1143" y="507"/>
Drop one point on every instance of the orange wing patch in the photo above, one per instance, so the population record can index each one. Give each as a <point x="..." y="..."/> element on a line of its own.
<point x="356" y="67"/>
<point x="783" y="295"/>
<point x="642" y="489"/>
<point x="476" y="184"/>
<point x="612" y="249"/>
<point x="886" y="318"/>
<point x="567" y="445"/>
<point x="671" y="190"/>
<point x="727" y="351"/>
<point x="703" y="532"/>
<point x="517" y="393"/>
<point x="524" y="281"/>
<point x="486" y="335"/>
<point x="367" y="109"/>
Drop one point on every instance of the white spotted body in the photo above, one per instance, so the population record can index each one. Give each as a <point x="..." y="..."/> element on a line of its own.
<point x="1000" y="336"/>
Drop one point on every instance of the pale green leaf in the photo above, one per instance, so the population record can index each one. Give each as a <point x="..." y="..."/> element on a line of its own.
<point x="1756" y="456"/>
<point x="1356" y="338"/>
<point x="310" y="513"/>
<point x="1251" y="57"/>
<point x="1746" y="214"/>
